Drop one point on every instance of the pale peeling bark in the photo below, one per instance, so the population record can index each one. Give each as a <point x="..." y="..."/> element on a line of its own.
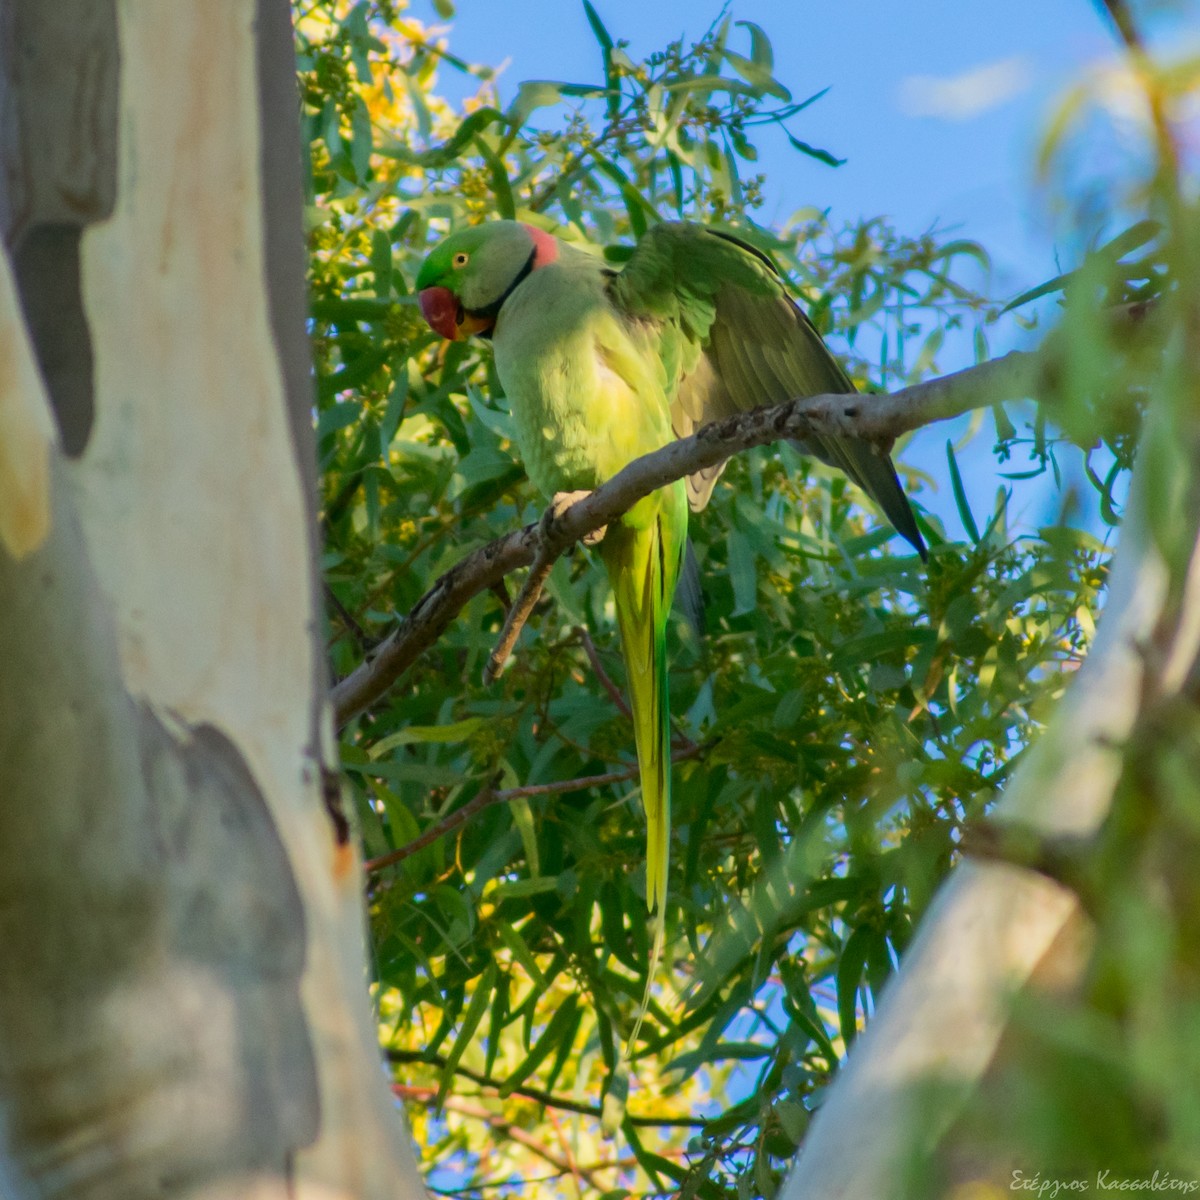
<point x="995" y="927"/>
<point x="183" y="1010"/>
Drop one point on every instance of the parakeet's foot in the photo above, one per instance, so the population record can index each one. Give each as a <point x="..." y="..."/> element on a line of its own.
<point x="564" y="500"/>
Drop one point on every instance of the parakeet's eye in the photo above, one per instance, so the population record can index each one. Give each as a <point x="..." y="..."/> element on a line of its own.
<point x="460" y="259"/>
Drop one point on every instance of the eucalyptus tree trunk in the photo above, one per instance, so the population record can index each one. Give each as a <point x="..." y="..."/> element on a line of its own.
<point x="183" y="1009"/>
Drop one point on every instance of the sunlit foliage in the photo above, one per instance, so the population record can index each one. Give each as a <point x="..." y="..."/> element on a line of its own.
<point x="848" y="712"/>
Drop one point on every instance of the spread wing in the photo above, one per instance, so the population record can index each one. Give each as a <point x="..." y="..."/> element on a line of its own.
<point x="735" y="340"/>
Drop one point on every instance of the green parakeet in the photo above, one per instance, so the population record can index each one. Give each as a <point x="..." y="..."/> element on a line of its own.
<point x="601" y="366"/>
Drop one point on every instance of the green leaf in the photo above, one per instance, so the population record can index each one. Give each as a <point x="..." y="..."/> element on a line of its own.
<point x="517" y="946"/>
<point x="760" y="45"/>
<point x="758" y="78"/>
<point x="655" y="1165"/>
<point x="636" y="205"/>
<point x="522" y="814"/>
<point x="532" y="95"/>
<point x="742" y="575"/>
<point x="1043" y="289"/>
<point x="964" y="246"/>
<point x="354" y="373"/>
<point x="381" y="262"/>
<point x="457" y="731"/>
<point x="602" y="35"/>
<point x="798" y="1003"/>
<point x="1126" y="241"/>
<point x="688" y="1064"/>
<point x="492" y="419"/>
<point x="849" y="976"/>
<point x="361" y="141"/>
<point x="871" y="647"/>
<point x="616" y="1099"/>
<point x="1005" y="430"/>
<point x="480" y="999"/>
<point x="337" y="416"/>
<point x="719" y="37"/>
<point x="1131" y="238"/>
<point x="604" y="39"/>
<point x="517" y="888"/>
<point x="394" y="413"/>
<point x="441" y="156"/>
<point x="926" y="359"/>
<point x="498" y="173"/>
<point x="499" y="1019"/>
<point x="703" y="85"/>
<point x="404" y="825"/>
<point x="743" y="148"/>
<point x="348" y="310"/>
<point x="766" y="808"/>
<point x="676" y="170"/>
<point x="788" y="111"/>
<point x="960" y="495"/>
<point x="562" y="1025"/>
<point x="814" y="151"/>
<point x="1108" y="507"/>
<point x="879" y="963"/>
<point x="545" y="93"/>
<point x="355" y="24"/>
<point x="612" y="925"/>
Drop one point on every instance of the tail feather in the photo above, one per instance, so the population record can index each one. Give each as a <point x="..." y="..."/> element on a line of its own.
<point x="874" y="472"/>
<point x="644" y="568"/>
<point x="644" y="564"/>
<point x="644" y="558"/>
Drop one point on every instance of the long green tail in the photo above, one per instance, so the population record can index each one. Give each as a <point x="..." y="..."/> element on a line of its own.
<point x="643" y="567"/>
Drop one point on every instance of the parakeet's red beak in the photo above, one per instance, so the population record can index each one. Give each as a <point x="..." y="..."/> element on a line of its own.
<point x="441" y="309"/>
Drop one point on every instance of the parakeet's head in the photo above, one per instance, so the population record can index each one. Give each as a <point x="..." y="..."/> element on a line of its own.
<point x="466" y="280"/>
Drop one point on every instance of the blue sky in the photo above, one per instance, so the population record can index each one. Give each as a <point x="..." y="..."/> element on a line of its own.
<point x="901" y="76"/>
<point x="938" y="106"/>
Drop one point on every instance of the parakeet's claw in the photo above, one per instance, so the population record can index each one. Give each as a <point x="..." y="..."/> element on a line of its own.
<point x="563" y="501"/>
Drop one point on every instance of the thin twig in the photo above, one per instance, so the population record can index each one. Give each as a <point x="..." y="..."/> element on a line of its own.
<point x="550" y="1100"/>
<point x="488" y="796"/>
<point x="1122" y="19"/>
<point x="502" y="1126"/>
<point x="520" y="612"/>
<point x="486" y="799"/>
<point x="356" y="631"/>
<point x="589" y="648"/>
<point x="508" y="1183"/>
<point x="460" y="816"/>
<point x="876" y="418"/>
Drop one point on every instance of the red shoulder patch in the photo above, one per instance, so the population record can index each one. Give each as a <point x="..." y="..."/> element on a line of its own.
<point x="545" y="247"/>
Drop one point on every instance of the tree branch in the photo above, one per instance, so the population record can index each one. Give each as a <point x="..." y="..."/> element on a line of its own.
<point x="593" y="656"/>
<point x="521" y="610"/>
<point x="489" y="796"/>
<point x="877" y="418"/>
<point x="550" y="1100"/>
<point x="503" y="1127"/>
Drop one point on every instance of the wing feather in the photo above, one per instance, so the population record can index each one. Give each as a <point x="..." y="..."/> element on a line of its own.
<point x="745" y="344"/>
